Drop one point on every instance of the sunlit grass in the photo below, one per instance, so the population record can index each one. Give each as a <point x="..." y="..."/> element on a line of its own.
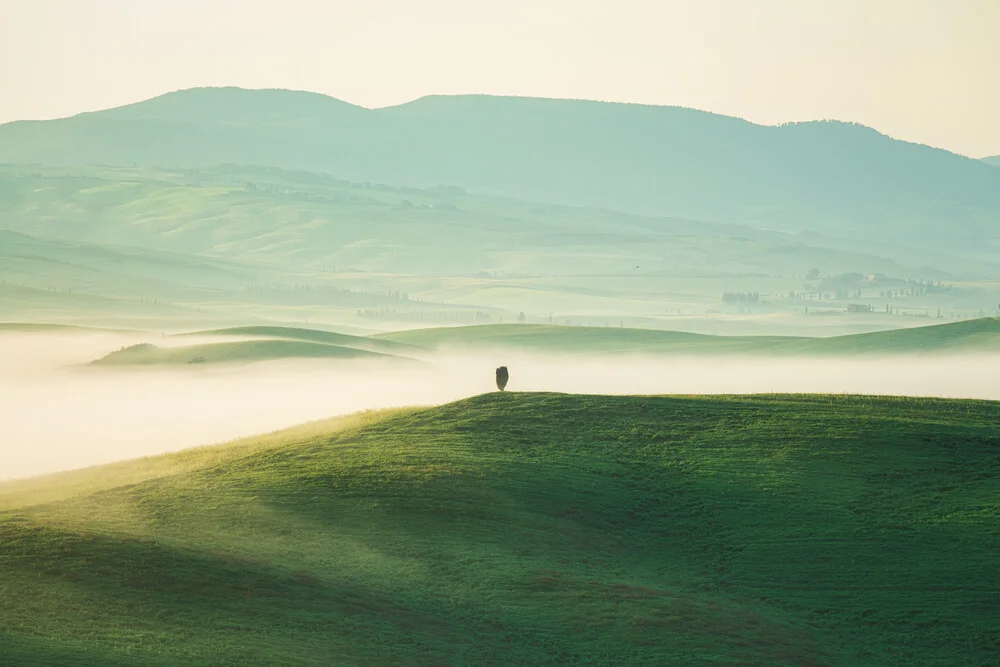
<point x="973" y="335"/>
<point x="530" y="529"/>
<point x="146" y="354"/>
<point x="62" y="485"/>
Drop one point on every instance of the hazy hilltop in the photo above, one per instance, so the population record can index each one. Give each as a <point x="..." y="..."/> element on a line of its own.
<point x="818" y="176"/>
<point x="995" y="160"/>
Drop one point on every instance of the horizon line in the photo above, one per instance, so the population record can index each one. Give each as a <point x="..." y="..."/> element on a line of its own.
<point x="498" y="96"/>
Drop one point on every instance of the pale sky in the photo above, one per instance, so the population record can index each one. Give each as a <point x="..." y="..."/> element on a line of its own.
<point x="921" y="70"/>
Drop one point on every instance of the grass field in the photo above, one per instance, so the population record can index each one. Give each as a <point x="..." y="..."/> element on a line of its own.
<point x="228" y="245"/>
<point x="556" y="338"/>
<point x="529" y="529"/>
<point x="316" y="336"/>
<point x="969" y="336"/>
<point x="982" y="335"/>
<point x="147" y="354"/>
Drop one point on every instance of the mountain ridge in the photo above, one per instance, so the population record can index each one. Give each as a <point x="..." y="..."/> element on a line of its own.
<point x="651" y="160"/>
<point x="332" y="102"/>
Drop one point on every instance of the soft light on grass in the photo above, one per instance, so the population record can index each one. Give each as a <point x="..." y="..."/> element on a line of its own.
<point x="146" y="354"/>
<point x="959" y="337"/>
<point x="531" y="529"/>
<point x="62" y="485"/>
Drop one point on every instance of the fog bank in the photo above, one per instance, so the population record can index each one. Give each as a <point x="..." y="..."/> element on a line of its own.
<point x="57" y="416"/>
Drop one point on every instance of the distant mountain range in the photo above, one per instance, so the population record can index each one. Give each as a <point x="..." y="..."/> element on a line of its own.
<point x="995" y="160"/>
<point x="828" y="177"/>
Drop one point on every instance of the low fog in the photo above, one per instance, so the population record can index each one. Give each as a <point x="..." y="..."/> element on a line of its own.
<point x="57" y="414"/>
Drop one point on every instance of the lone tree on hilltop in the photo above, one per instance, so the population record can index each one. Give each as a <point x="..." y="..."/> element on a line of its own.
<point x="502" y="377"/>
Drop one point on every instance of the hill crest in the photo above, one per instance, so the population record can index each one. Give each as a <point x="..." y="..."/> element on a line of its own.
<point x="650" y="530"/>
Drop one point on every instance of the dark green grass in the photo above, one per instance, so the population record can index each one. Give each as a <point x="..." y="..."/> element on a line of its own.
<point x="969" y="336"/>
<point x="538" y="529"/>
<point x="234" y="352"/>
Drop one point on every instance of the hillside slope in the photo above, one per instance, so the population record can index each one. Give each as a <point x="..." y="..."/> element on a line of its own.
<point x="315" y="336"/>
<point x="581" y="340"/>
<point x="298" y="219"/>
<point x="65" y="264"/>
<point x="537" y="529"/>
<point x="980" y="335"/>
<point x="252" y="244"/>
<point x="821" y="176"/>
<point x="147" y="354"/>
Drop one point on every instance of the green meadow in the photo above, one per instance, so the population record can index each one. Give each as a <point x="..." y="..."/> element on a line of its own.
<point x="225" y="227"/>
<point x="230" y="245"/>
<point x="528" y="529"/>
<point x="263" y="343"/>
<point x="315" y="336"/>
<point x="143" y="354"/>
<point x="979" y="335"/>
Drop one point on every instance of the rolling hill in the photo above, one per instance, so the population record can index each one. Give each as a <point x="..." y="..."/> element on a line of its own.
<point x="65" y="264"/>
<point x="229" y="245"/>
<point x="296" y="220"/>
<point x="981" y="335"/>
<point x="827" y="177"/>
<point x="528" y="529"/>
<point x="995" y="160"/>
<point x="315" y="336"/>
<point x="80" y="279"/>
<point x="581" y="340"/>
<point x="232" y="352"/>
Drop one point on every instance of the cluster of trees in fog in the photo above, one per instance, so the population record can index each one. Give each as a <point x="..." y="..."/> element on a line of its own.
<point x="740" y="297"/>
<point x="328" y="289"/>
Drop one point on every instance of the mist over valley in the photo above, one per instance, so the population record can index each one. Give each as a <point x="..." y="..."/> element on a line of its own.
<point x="499" y="379"/>
<point x="61" y="411"/>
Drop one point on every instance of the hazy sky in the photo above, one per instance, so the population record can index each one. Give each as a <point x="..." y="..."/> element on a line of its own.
<point x="921" y="70"/>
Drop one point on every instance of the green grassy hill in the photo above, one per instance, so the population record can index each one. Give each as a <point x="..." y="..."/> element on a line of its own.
<point x="316" y="336"/>
<point x="531" y="529"/>
<point x="995" y="160"/>
<point x="579" y="340"/>
<point x="109" y="285"/>
<point x="272" y="342"/>
<point x="979" y="335"/>
<point x="59" y="486"/>
<point x="167" y="249"/>
<point x="104" y="284"/>
<point x="970" y="336"/>
<point x="147" y="354"/>
<point x="61" y="264"/>
<point x="298" y="219"/>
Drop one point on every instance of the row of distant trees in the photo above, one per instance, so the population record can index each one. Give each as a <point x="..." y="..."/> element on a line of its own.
<point x="298" y="287"/>
<point x="740" y="297"/>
